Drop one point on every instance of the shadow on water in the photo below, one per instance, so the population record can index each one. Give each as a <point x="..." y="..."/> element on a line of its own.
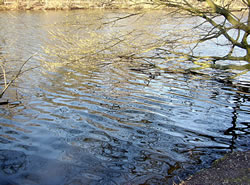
<point x="116" y="121"/>
<point x="235" y="131"/>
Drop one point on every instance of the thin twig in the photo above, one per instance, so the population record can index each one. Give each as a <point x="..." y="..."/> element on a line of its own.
<point x="15" y="77"/>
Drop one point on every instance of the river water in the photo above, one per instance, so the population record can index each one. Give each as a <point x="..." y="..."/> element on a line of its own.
<point x="108" y="120"/>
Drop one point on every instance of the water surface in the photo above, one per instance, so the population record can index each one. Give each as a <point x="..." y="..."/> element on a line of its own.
<point x="110" y="121"/>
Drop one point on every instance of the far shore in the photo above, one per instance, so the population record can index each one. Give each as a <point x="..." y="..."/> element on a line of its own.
<point x="72" y="5"/>
<point x="57" y="5"/>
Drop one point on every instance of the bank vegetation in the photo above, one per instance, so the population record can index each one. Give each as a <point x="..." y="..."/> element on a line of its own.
<point x="98" y="4"/>
<point x="74" y="4"/>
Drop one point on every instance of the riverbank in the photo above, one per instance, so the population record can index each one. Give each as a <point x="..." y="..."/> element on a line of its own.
<point x="71" y="5"/>
<point x="233" y="168"/>
<point x="93" y="4"/>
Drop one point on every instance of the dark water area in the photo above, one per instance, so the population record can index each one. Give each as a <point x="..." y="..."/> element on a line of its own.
<point x="109" y="121"/>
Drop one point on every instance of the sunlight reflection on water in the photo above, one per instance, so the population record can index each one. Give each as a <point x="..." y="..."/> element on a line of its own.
<point x="118" y="123"/>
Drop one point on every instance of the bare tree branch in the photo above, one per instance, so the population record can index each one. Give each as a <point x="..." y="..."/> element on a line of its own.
<point x="15" y="77"/>
<point x="211" y="12"/>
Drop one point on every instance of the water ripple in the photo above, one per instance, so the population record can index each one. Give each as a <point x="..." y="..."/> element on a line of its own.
<point x="121" y="122"/>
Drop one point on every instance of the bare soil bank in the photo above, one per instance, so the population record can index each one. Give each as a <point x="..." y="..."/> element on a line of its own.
<point x="232" y="169"/>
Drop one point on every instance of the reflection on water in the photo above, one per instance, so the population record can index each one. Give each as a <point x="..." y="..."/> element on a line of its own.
<point x="118" y="123"/>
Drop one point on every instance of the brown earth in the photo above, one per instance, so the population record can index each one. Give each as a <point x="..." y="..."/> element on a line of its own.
<point x="232" y="169"/>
